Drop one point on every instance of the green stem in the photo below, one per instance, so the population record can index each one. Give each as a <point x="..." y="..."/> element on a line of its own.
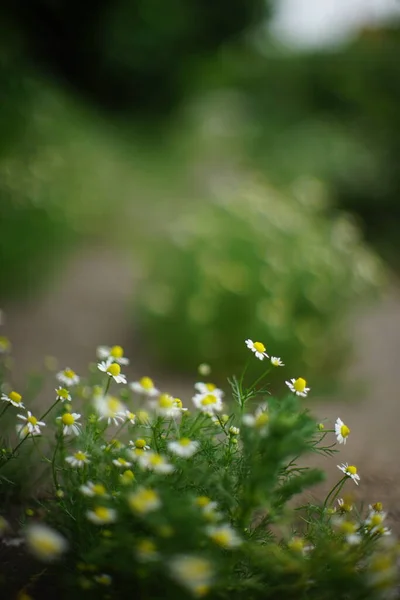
<point x="5" y="408"/>
<point x="336" y="489"/>
<point x="53" y="464"/>
<point x="257" y="381"/>
<point x="107" y="386"/>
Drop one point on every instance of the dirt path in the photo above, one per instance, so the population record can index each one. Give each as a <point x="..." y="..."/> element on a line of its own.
<point x="91" y="303"/>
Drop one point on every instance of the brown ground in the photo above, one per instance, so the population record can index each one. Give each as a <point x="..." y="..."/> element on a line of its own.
<point x="91" y="303"/>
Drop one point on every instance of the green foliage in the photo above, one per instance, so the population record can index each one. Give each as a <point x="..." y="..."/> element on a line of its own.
<point x="196" y="504"/>
<point x="255" y="263"/>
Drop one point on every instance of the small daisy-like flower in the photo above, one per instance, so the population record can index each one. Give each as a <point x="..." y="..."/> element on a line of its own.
<point x="184" y="447"/>
<point x="224" y="536"/>
<point x="144" y="386"/>
<point x="350" y="471"/>
<point x="127" y="477"/>
<point x="209" y="403"/>
<point x="139" y="444"/>
<point x="113" y="353"/>
<point x="69" y="423"/>
<point x="13" y="398"/>
<point x="341" y="431"/>
<point x="344" y="506"/>
<point x="194" y="573"/>
<point x="112" y="369"/>
<point x="63" y="394"/>
<point x="31" y="423"/>
<point x="143" y="501"/>
<point x="5" y="345"/>
<point x="155" y="462"/>
<point x="259" y="420"/>
<point x="297" y="544"/>
<point x="298" y="386"/>
<point x="93" y="489"/>
<point x="349" y="530"/>
<point x="110" y="408"/>
<point x="45" y="543"/>
<point x="258" y="348"/>
<point x="78" y="460"/>
<point x="207" y="388"/>
<point x="374" y="523"/>
<point x="102" y="515"/>
<point x="68" y="377"/>
<point x="204" y="369"/>
<point x="376" y="507"/>
<point x="276" y="362"/>
<point x="146" y="550"/>
<point x="130" y="416"/>
<point x="167" y="406"/>
<point x="121" y="463"/>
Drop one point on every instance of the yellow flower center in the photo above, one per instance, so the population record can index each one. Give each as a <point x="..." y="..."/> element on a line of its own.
<point x="128" y="476"/>
<point x="222" y="537"/>
<point x="165" y="401"/>
<point x="184" y="441"/>
<point x="32" y="420"/>
<point x="262" y="419"/>
<point x="80" y="455"/>
<point x="146" y="547"/>
<point x="121" y="461"/>
<point x="15" y="397"/>
<point x="211" y="387"/>
<point x="259" y="346"/>
<point x="140" y="443"/>
<point x="141" y="501"/>
<point x="208" y="400"/>
<point x="62" y="393"/>
<point x="300" y="384"/>
<point x="114" y="369"/>
<point x="113" y="404"/>
<point x="347" y="527"/>
<point x="99" y="489"/>
<point x="376" y="520"/>
<point x="203" y="501"/>
<point x="352" y="470"/>
<point x="69" y="373"/>
<point x="117" y="352"/>
<point x="146" y="383"/>
<point x="46" y="546"/>
<point x="296" y="544"/>
<point x="378" y="506"/>
<point x="178" y="402"/>
<point x="101" y="512"/>
<point x="130" y="415"/>
<point x="344" y="430"/>
<point x="68" y="419"/>
<point x="156" y="460"/>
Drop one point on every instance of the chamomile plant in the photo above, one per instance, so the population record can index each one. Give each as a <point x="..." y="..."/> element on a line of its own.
<point x="162" y="497"/>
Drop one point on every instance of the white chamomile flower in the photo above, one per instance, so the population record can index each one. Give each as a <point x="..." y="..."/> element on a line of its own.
<point x="101" y="515"/>
<point x="374" y="523"/>
<point x="13" y="398"/>
<point x="110" y="408"/>
<point x="144" y="386"/>
<point x="184" y="447"/>
<point x="350" y="471"/>
<point x="31" y="424"/>
<point x="207" y="388"/>
<point x="258" y="348"/>
<point x="112" y="369"/>
<point x="91" y="489"/>
<point x="78" y="460"/>
<point x="144" y="500"/>
<point x="130" y="416"/>
<point x="121" y="463"/>
<point x="276" y="361"/>
<point x="209" y="403"/>
<point x="139" y="444"/>
<point x="259" y="420"/>
<point x="224" y="536"/>
<point x="167" y="406"/>
<point x="68" y="377"/>
<point x="349" y="530"/>
<point x="70" y="424"/>
<point x="113" y="354"/>
<point x="63" y="394"/>
<point x="155" y="462"/>
<point x="344" y="506"/>
<point x="298" y="386"/>
<point x="341" y="431"/>
<point x="194" y="573"/>
<point x="44" y="542"/>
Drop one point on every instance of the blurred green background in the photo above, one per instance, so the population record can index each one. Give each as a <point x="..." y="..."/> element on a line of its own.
<point x="252" y="186"/>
